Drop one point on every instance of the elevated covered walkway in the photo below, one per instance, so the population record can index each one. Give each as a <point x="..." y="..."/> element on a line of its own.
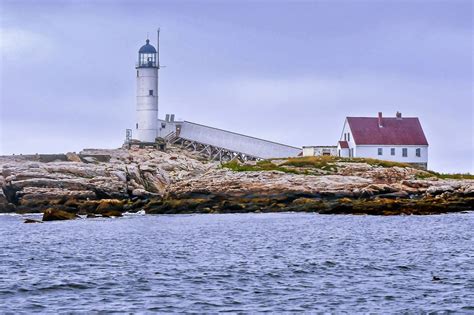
<point x="223" y="145"/>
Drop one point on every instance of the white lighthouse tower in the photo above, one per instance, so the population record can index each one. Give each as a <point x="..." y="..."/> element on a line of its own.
<point x="147" y="92"/>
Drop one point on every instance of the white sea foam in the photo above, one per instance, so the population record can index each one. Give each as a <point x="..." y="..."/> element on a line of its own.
<point x="141" y="212"/>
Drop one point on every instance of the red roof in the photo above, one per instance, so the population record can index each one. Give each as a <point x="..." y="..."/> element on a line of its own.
<point x="395" y="131"/>
<point x="344" y="144"/>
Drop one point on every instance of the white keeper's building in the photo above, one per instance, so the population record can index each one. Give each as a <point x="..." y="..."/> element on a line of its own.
<point x="399" y="139"/>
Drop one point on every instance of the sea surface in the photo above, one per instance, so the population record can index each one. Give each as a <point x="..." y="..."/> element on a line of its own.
<point x="281" y="262"/>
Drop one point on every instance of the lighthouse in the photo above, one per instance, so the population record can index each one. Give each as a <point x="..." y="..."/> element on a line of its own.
<point x="147" y="92"/>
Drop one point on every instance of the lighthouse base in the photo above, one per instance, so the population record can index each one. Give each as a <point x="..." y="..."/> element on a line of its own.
<point x="146" y="135"/>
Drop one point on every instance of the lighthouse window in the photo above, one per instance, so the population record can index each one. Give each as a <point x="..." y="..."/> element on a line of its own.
<point x="150" y="92"/>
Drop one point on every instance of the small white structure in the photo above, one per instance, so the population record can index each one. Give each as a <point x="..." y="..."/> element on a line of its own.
<point x="147" y="93"/>
<point x="399" y="139"/>
<point x="343" y="149"/>
<point x="320" y="150"/>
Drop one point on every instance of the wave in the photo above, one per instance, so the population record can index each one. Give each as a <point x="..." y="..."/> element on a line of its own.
<point x="141" y="212"/>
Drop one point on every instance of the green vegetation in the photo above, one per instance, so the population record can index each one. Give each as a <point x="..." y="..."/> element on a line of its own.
<point x="304" y="165"/>
<point x="264" y="165"/>
<point x="429" y="174"/>
<point x="455" y="176"/>
<point x="376" y="162"/>
<point x="327" y="162"/>
<point x="317" y="165"/>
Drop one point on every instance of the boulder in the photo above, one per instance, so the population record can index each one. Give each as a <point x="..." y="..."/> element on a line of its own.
<point x="31" y="221"/>
<point x="140" y="192"/>
<point x="436" y="190"/>
<point x="394" y="195"/>
<point x="121" y="175"/>
<point x="111" y="213"/>
<point x="90" y="159"/>
<point x="73" y="157"/>
<point x="107" y="205"/>
<point x="468" y="190"/>
<point x="87" y="206"/>
<point x="52" y="214"/>
<point x="4" y="204"/>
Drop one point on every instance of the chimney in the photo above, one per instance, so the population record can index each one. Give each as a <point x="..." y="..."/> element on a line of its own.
<point x="399" y="115"/>
<point x="380" y="120"/>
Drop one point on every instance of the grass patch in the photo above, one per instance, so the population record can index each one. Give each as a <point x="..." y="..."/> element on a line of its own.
<point x="291" y="165"/>
<point x="376" y="162"/>
<point x="429" y="174"/>
<point x="264" y="165"/>
<point x="303" y="165"/>
<point x="328" y="162"/>
<point x="456" y="176"/>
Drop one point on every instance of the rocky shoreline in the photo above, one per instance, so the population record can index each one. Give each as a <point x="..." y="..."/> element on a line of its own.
<point x="110" y="182"/>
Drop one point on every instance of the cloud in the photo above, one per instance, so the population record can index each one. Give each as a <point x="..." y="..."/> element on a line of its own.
<point x="24" y="45"/>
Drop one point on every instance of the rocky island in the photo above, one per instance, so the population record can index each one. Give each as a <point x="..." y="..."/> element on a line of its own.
<point x="110" y="182"/>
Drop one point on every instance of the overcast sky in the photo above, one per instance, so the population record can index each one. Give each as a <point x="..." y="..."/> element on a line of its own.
<point x="284" y="71"/>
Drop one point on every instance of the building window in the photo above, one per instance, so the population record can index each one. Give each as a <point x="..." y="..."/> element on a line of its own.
<point x="380" y="151"/>
<point x="345" y="137"/>
<point x="392" y="151"/>
<point x="348" y="137"/>
<point x="150" y="92"/>
<point x="404" y="152"/>
<point x="137" y="73"/>
<point x="418" y="152"/>
<point x="136" y="125"/>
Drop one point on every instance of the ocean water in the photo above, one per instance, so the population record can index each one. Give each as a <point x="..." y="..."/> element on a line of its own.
<point x="283" y="262"/>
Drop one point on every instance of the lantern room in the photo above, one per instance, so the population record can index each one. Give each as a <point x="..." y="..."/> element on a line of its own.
<point x="147" y="56"/>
